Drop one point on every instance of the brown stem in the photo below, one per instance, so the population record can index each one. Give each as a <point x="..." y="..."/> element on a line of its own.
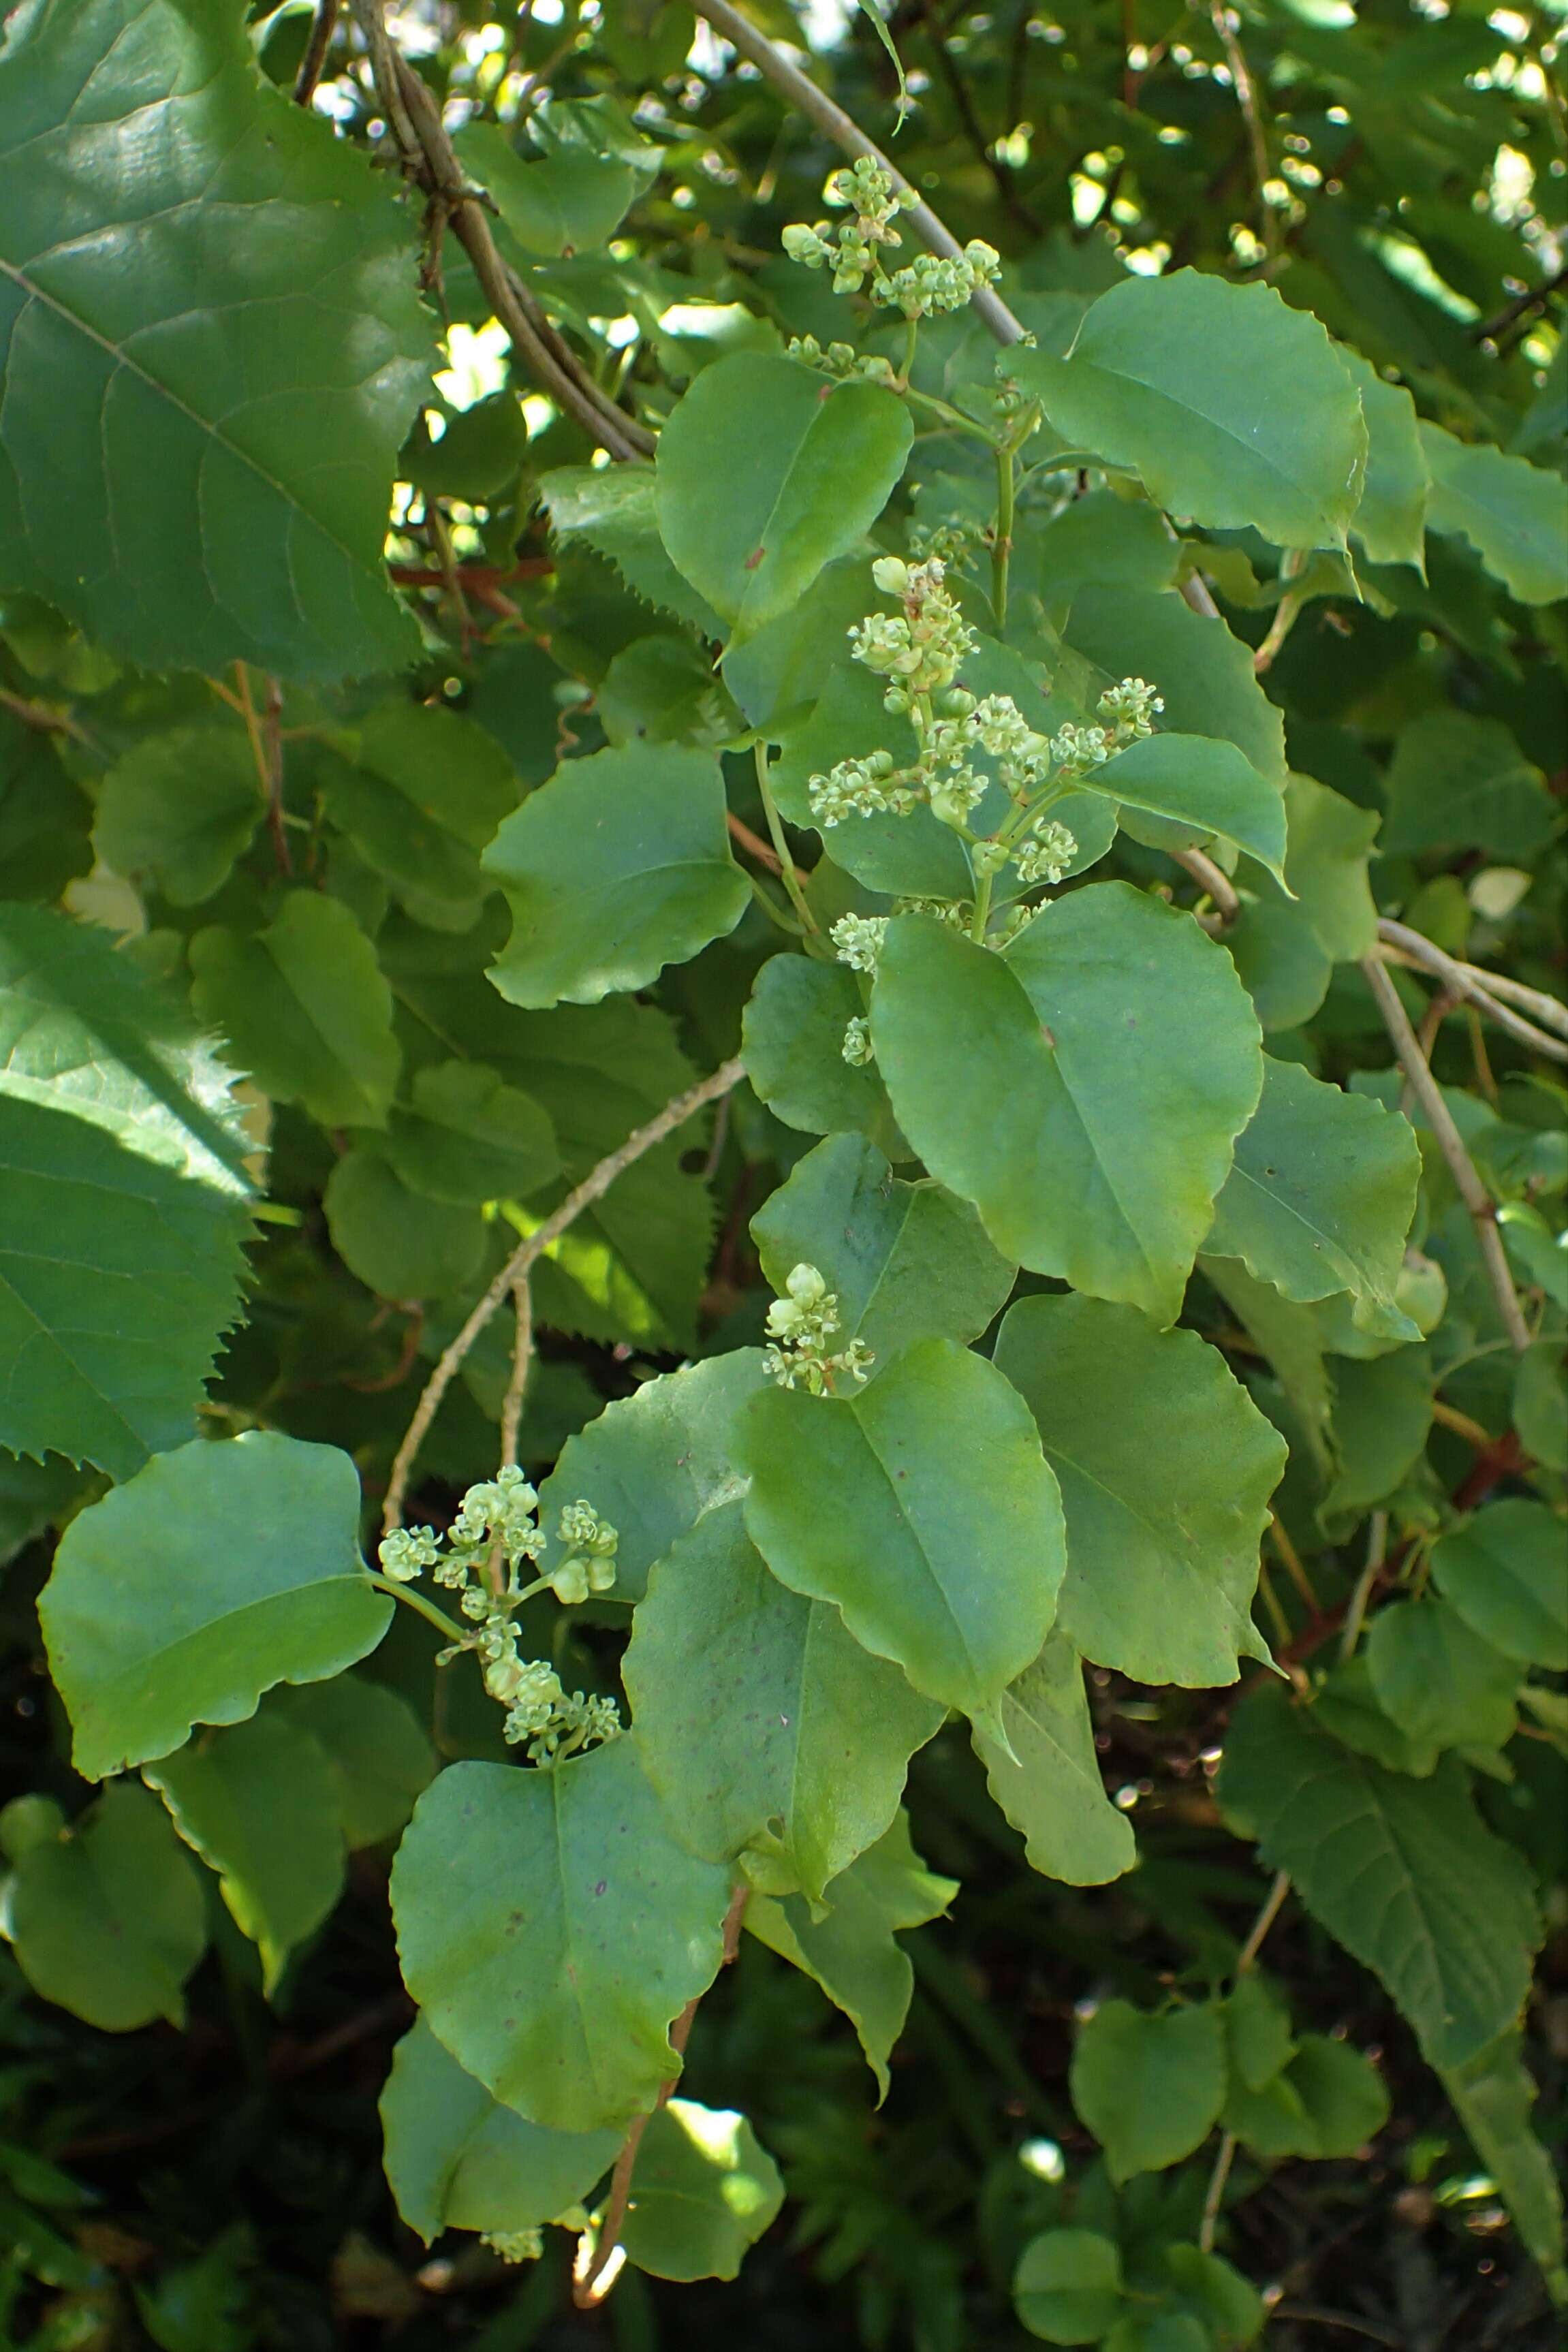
<point x="1461" y="1167"/>
<point x="595" y="1185"/>
<point x="522" y="1355"/>
<point x="594" y="2280"/>
<point x="1252" y="115"/>
<point x="324" y="25"/>
<point x="1463" y="983"/>
<point x="429" y="157"/>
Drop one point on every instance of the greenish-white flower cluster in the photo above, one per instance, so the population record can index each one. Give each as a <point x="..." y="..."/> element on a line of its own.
<point x="800" y="1326"/>
<point x="495" y="1530"/>
<point x="858" y="939"/>
<point x="841" y="360"/>
<point x="514" y="2245"/>
<point x="919" y="652"/>
<point x="852" y="250"/>
<point x="1129" y="712"/>
<point x="858" y="1049"/>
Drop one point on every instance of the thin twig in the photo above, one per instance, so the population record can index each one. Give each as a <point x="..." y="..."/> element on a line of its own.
<point x="429" y="156"/>
<point x="1272" y="1905"/>
<point x="1211" y="878"/>
<point x="324" y="25"/>
<point x="1365" y="1583"/>
<point x="1293" y="1568"/>
<point x="1535" y="299"/>
<point x="595" y="2275"/>
<point x="522" y="1355"/>
<point x="1461" y="1167"/>
<point x="1464" y="983"/>
<point x="593" y="1187"/>
<point x="753" y="844"/>
<point x="1211" y="2202"/>
<point x="1252" y="115"/>
<point x="1550" y="1009"/>
<point x="818" y="108"/>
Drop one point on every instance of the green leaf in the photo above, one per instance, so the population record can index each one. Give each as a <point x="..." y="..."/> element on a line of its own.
<point x="617" y="867"/>
<point x="764" y="473"/>
<point x="1273" y="437"/>
<point x="178" y="810"/>
<point x="1437" y="1681"/>
<point x="1098" y="538"/>
<point x="1056" y="1086"/>
<point x="469" y="1138"/>
<point x="790" y="1749"/>
<point x="1205" y="674"/>
<point x="153" y="1624"/>
<point x="83" y="1030"/>
<point x="456" y="2158"/>
<point x="260" y="1805"/>
<point x="793" y="1040"/>
<point x="1342" y="2093"/>
<point x="400" y="1242"/>
<point x="1258" y="2032"/>
<point x="181" y="351"/>
<point x="906" y="1261"/>
<point x="612" y="509"/>
<point x="923" y="1508"/>
<point x="1382" y="1414"/>
<point x="117" y="1279"/>
<point x="1328" y="2101"/>
<point x="122" y="1200"/>
<point x="420" y="791"/>
<point x="656" y="1464"/>
<point x="1391" y="519"/>
<point x="848" y="1949"/>
<point x="704" y="2193"/>
<point x="1502" y="1572"/>
<point x="1049" y="1786"/>
<point x="1163" y="2331"/>
<point x="1226" y="2304"/>
<point x="1285" y="950"/>
<point x="107" y="1919"/>
<point x="1066" y="2288"/>
<point x="1346" y="1705"/>
<point x="1166" y="1467"/>
<point x="1456" y="782"/>
<point x="380" y="1755"/>
<point x="305" y="1007"/>
<point x="1401" y="1871"/>
<point x="575" y="196"/>
<point x="1202" y="785"/>
<point x="31" y="1494"/>
<point x="1149" y="2088"/>
<point x="551" y="1929"/>
<point x="1493" y="2094"/>
<point x="1514" y="514"/>
<point x="1320" y="1195"/>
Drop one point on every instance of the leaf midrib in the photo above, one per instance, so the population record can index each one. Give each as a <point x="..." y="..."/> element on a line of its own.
<point x="204" y="426"/>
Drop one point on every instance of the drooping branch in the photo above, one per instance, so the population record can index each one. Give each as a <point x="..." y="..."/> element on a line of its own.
<point x="1461" y="1167"/>
<point x="1465" y="982"/>
<point x="593" y="1187"/>
<point x="597" y="2268"/>
<point x="430" y="159"/>
<point x="846" y="135"/>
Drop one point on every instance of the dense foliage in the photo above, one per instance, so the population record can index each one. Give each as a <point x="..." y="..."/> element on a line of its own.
<point x="782" y="1171"/>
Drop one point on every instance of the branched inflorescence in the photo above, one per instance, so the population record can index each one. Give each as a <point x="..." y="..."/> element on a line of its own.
<point x="853" y="249"/>
<point x="800" y="1326"/>
<point x="497" y="1530"/>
